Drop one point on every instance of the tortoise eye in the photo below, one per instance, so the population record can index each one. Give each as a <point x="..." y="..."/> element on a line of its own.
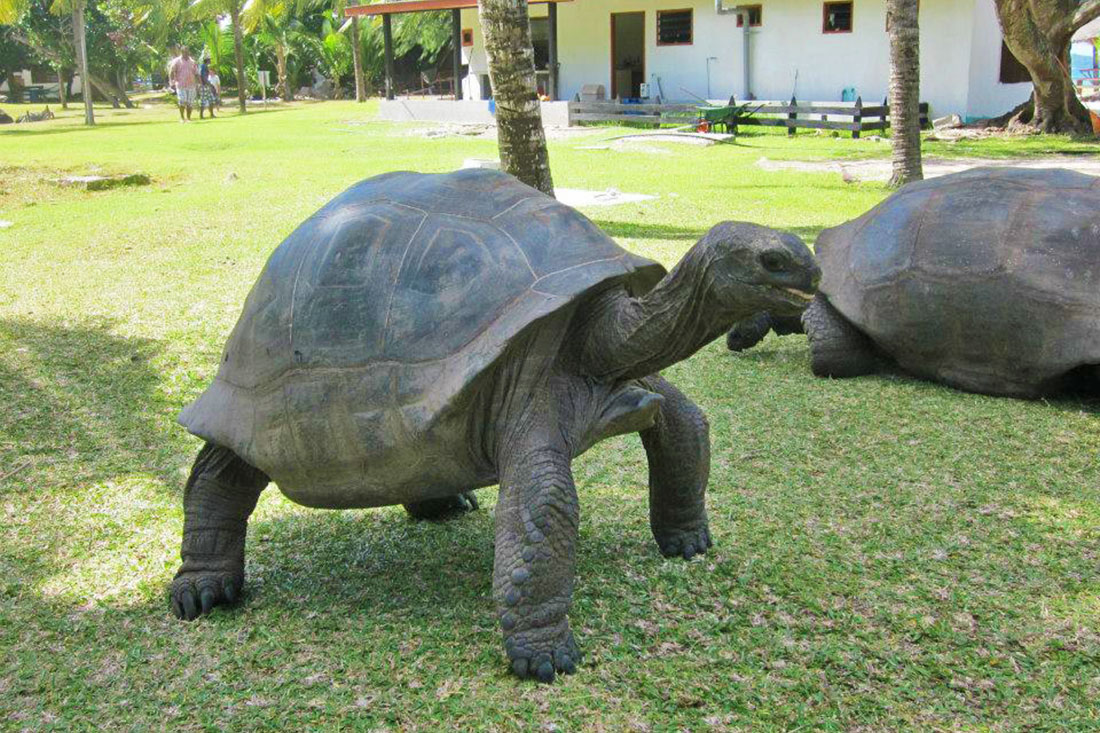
<point x="773" y="261"/>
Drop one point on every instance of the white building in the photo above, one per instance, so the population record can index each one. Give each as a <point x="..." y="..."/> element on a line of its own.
<point x="814" y="50"/>
<point x="42" y="79"/>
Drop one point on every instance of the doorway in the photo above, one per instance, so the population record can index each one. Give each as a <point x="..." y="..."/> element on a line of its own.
<point x="627" y="54"/>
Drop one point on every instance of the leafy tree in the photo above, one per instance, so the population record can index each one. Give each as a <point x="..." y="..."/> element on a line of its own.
<point x="277" y="28"/>
<point x="1039" y="33"/>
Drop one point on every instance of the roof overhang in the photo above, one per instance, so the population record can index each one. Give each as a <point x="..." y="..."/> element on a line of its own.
<point x="420" y="6"/>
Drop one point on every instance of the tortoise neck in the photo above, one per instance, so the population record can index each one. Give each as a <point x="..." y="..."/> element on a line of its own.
<point x="630" y="338"/>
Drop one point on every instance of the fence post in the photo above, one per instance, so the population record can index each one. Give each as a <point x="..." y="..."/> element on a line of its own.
<point x="885" y="115"/>
<point x="857" y="119"/>
<point x="792" y="115"/>
<point x="731" y="127"/>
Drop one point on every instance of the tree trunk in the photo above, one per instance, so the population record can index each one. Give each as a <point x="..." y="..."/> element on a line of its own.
<point x="62" y="88"/>
<point x="903" y="23"/>
<point x="82" y="59"/>
<point x="283" y="88"/>
<point x="238" y="53"/>
<point x="1039" y="34"/>
<point x="15" y="87"/>
<point x="520" y="136"/>
<point x="357" y="61"/>
<point x="110" y="91"/>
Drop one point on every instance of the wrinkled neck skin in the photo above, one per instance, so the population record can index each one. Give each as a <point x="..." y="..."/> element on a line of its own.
<point x="620" y="337"/>
<point x="536" y="397"/>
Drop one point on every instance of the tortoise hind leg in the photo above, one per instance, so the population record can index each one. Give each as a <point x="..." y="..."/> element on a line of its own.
<point x="442" y="508"/>
<point x="219" y="497"/>
<point x="837" y="348"/>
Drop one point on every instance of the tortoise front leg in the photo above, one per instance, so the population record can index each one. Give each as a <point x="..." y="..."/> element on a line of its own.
<point x="536" y="533"/>
<point x="678" y="448"/>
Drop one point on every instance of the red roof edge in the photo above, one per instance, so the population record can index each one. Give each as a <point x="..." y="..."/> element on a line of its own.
<point x="420" y="6"/>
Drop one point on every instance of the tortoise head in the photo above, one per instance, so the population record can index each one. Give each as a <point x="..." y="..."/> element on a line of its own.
<point x="733" y="272"/>
<point x="748" y="268"/>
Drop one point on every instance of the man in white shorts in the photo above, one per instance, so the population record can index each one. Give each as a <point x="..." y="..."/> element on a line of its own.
<point x="183" y="74"/>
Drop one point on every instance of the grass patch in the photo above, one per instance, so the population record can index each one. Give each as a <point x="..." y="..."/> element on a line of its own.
<point x="889" y="554"/>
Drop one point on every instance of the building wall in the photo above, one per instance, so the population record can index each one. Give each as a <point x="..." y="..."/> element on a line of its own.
<point x="27" y="77"/>
<point x="988" y="97"/>
<point x="789" y="53"/>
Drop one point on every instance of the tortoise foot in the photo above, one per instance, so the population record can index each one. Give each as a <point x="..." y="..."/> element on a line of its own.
<point x="543" y="653"/>
<point x="684" y="542"/>
<point x="196" y="593"/>
<point x="445" y="508"/>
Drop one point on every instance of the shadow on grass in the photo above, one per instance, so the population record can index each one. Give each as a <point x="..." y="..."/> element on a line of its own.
<point x="634" y="230"/>
<point x="171" y="117"/>
<point x="668" y="232"/>
<point x="81" y="397"/>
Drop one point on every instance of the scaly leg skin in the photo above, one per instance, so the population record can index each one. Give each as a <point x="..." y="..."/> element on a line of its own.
<point x="749" y="332"/>
<point x="536" y="534"/>
<point x="218" y="499"/>
<point x="448" y="507"/>
<point x="837" y="348"/>
<point x="678" y="449"/>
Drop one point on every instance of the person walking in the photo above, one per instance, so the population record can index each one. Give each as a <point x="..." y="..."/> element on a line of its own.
<point x="216" y="85"/>
<point x="206" y="88"/>
<point x="183" y="74"/>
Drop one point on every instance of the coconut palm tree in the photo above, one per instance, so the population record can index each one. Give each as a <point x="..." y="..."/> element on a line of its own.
<point x="279" y="29"/>
<point x="203" y="9"/>
<point x="902" y="23"/>
<point x="337" y="8"/>
<point x="511" y="57"/>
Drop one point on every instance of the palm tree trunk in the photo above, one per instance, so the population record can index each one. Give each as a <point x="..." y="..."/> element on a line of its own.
<point x="238" y="52"/>
<point x="283" y="89"/>
<point x="357" y="61"/>
<point x="904" y="27"/>
<point x="520" y="136"/>
<point x="82" y="58"/>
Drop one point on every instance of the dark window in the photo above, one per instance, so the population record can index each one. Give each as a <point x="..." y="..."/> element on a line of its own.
<point x="674" y="27"/>
<point x="1012" y="71"/>
<point x="467" y="36"/>
<point x="838" y="18"/>
<point x="540" y="42"/>
<point x="755" y="13"/>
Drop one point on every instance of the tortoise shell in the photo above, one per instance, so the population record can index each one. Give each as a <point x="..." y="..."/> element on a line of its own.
<point x="373" y="316"/>
<point x="988" y="279"/>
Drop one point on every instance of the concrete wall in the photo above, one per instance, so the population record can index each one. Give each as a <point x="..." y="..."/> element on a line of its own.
<point x="789" y="54"/>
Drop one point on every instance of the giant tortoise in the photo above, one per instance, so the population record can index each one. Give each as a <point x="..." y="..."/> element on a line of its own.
<point x="422" y="336"/>
<point x="986" y="280"/>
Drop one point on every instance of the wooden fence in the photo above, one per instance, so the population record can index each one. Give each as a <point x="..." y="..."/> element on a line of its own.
<point x="854" y="118"/>
<point x="617" y="111"/>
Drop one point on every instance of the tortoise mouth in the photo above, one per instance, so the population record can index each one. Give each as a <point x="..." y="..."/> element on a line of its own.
<point x="794" y="296"/>
<point x="799" y="295"/>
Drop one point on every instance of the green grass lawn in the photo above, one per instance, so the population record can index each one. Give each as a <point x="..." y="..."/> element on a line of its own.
<point x="889" y="554"/>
